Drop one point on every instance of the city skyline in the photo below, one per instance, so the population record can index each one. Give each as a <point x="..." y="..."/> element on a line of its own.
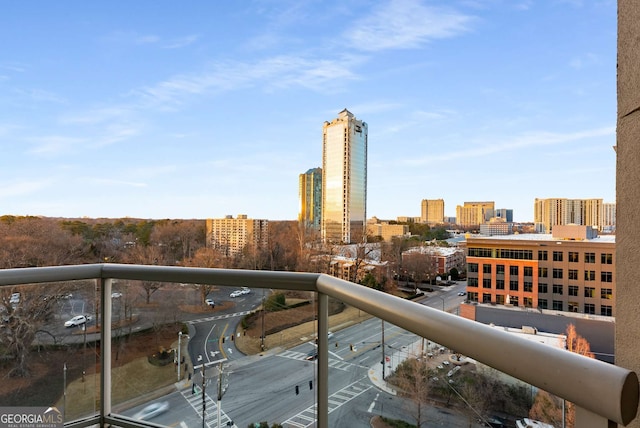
<point x="111" y="111"/>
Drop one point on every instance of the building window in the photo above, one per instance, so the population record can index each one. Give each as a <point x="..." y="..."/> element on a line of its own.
<point x="527" y="302"/>
<point x="542" y="255"/>
<point x="500" y="299"/>
<point x="480" y="252"/>
<point x="542" y="272"/>
<point x="589" y="257"/>
<point x="543" y="288"/>
<point x="473" y="296"/>
<point x="557" y="288"/>
<point x="557" y="273"/>
<point x="606" y="293"/>
<point x="528" y="271"/>
<point x="472" y="282"/>
<point x="528" y="287"/>
<point x="573" y="306"/>
<point x="573" y="274"/>
<point x="513" y="285"/>
<point x="589" y="308"/>
<point x="500" y="269"/>
<point x="606" y="277"/>
<point x="573" y="257"/>
<point x="486" y="283"/>
<point x="557" y="256"/>
<point x="515" y="254"/>
<point x="513" y="270"/>
<point x="606" y="258"/>
<point x="473" y="267"/>
<point x="542" y="303"/>
<point x="513" y="300"/>
<point x="589" y="275"/>
<point x="499" y="284"/>
<point x="486" y="268"/>
<point x="557" y="305"/>
<point x="589" y="292"/>
<point x="605" y="310"/>
<point x="486" y="298"/>
<point x="573" y="290"/>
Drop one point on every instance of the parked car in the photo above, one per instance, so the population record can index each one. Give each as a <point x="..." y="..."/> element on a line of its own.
<point x="236" y="293"/>
<point x="77" y="320"/>
<point x="116" y="295"/>
<point x="462" y="293"/>
<point x="245" y="290"/>
<point x="312" y="355"/>
<point x="210" y="302"/>
<point x="14" y="299"/>
<point x="152" y="410"/>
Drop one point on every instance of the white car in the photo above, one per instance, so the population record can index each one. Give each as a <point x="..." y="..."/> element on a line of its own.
<point x="210" y="302"/>
<point x="116" y="295"/>
<point x="236" y="293"/>
<point x="14" y="299"/>
<point x="245" y="290"/>
<point x="152" y="410"/>
<point x="77" y="320"/>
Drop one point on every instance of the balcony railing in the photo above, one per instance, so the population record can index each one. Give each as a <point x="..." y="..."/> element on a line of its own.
<point x="604" y="394"/>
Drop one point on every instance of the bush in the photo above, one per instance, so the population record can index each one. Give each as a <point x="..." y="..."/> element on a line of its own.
<point x="275" y="302"/>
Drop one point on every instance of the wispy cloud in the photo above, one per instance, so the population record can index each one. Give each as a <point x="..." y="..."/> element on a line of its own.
<point x="406" y="24"/>
<point x="54" y="144"/>
<point x="583" y="61"/>
<point x="21" y="188"/>
<point x="516" y="143"/>
<point x="112" y="182"/>
<point x="41" y="95"/>
<point x="181" y="42"/>
<point x="276" y="72"/>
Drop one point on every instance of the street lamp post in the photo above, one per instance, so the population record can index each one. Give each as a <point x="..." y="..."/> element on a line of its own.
<point x="441" y="298"/>
<point x="179" y="348"/>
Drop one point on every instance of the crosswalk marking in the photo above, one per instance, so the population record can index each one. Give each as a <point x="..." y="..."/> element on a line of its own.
<point x="218" y="317"/>
<point x="211" y="408"/>
<point x="307" y="417"/>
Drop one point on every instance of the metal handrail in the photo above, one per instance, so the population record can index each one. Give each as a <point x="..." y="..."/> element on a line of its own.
<point x="606" y="390"/>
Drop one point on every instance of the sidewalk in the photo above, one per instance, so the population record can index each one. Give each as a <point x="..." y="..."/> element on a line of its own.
<point x="434" y="353"/>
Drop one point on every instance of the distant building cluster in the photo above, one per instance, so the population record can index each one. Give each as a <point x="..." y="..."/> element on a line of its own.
<point x="551" y="212"/>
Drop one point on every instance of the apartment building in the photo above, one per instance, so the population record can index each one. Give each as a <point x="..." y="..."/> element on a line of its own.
<point x="432" y="211"/>
<point x="444" y="258"/>
<point x="474" y="213"/>
<point x="310" y="198"/>
<point x="550" y="212"/>
<point x="232" y="235"/>
<point x="572" y="269"/>
<point x="387" y="231"/>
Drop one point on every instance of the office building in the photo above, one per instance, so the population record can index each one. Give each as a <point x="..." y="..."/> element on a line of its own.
<point x="572" y="269"/>
<point x="231" y="235"/>
<point x="344" y="179"/>
<point x="387" y="231"/>
<point x="310" y="195"/>
<point x="432" y="211"/>
<point x="551" y="212"/>
<point x="505" y="214"/>
<point x="473" y="214"/>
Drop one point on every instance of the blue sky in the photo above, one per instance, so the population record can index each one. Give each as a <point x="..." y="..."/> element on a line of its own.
<point x="163" y="109"/>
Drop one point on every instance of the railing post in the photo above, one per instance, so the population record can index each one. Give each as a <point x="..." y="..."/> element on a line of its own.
<point x="587" y="419"/>
<point x="105" y="349"/>
<point x="323" y="361"/>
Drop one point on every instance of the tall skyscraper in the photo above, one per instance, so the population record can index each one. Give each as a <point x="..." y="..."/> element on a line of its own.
<point x="311" y="198"/>
<point x="344" y="179"/>
<point x="432" y="211"/>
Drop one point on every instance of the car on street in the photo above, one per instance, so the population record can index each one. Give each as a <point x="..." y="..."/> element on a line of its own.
<point x="462" y="293"/>
<point x="210" y="302"/>
<point x="152" y="410"/>
<point x="14" y="299"/>
<point x="236" y="293"/>
<point x="245" y="290"/>
<point x="311" y="356"/>
<point x="116" y="295"/>
<point x="77" y="320"/>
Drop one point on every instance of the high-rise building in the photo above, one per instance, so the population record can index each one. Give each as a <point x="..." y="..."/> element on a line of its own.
<point x="505" y="214"/>
<point x="474" y="213"/>
<point x="344" y="179"/>
<point x="310" y="194"/>
<point x="232" y="235"/>
<point x="432" y="211"/>
<point x="551" y="212"/>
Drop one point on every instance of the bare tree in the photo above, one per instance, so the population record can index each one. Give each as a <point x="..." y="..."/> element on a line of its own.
<point x="412" y="378"/>
<point x="149" y="255"/>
